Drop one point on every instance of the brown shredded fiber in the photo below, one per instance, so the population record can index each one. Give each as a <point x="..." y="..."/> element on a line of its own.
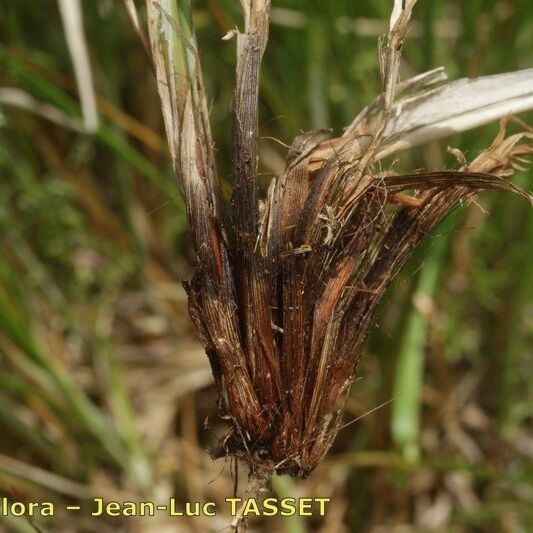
<point x="284" y="293"/>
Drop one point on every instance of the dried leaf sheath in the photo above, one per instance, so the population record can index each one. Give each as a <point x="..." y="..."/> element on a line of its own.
<point x="253" y="266"/>
<point x="212" y="291"/>
<point x="284" y="294"/>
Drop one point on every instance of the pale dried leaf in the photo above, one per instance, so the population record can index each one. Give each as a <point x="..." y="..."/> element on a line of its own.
<point x="456" y="107"/>
<point x="18" y="98"/>
<point x="72" y="18"/>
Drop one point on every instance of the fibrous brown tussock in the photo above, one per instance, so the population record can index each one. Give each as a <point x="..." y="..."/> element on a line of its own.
<point x="283" y="296"/>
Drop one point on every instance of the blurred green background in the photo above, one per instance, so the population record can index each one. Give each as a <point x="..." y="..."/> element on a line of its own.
<point x="104" y="390"/>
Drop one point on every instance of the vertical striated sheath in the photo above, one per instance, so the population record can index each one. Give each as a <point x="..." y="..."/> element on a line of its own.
<point x="284" y="296"/>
